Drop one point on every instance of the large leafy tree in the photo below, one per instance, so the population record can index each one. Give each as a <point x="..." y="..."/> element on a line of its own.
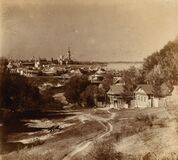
<point x="132" y="77"/>
<point x="107" y="82"/>
<point x="161" y="68"/>
<point x="17" y="93"/>
<point x="75" y="87"/>
<point x="89" y="95"/>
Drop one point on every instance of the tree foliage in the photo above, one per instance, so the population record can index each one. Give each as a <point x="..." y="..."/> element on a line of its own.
<point x="17" y="93"/>
<point x="3" y="64"/>
<point x="107" y="82"/>
<point x="89" y="95"/>
<point x="132" y="77"/>
<point x="75" y="87"/>
<point x="161" y="68"/>
<point x="79" y="90"/>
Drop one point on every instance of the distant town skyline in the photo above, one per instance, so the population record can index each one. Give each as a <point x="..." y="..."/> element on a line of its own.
<point x="107" y="30"/>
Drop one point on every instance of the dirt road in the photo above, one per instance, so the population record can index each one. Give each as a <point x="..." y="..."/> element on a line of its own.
<point x="88" y="143"/>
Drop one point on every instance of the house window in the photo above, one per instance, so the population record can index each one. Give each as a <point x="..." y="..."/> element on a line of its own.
<point x="144" y="99"/>
<point x="141" y="98"/>
<point x="138" y="97"/>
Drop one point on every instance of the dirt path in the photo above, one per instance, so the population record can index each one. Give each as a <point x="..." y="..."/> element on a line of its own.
<point x="88" y="143"/>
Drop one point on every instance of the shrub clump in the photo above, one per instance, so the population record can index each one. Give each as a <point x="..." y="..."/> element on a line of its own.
<point x="103" y="151"/>
<point x="25" y="156"/>
<point x="147" y="119"/>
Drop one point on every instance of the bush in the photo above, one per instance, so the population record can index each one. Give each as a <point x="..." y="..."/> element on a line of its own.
<point x="118" y="136"/>
<point x="25" y="155"/>
<point x="37" y="156"/>
<point x="150" y="156"/>
<point x="88" y="96"/>
<point x="171" y="156"/>
<point x="103" y="151"/>
<point x="75" y="87"/>
<point x="147" y="119"/>
<point x="17" y="93"/>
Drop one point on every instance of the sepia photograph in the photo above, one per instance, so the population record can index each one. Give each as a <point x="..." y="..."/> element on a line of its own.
<point x="88" y="79"/>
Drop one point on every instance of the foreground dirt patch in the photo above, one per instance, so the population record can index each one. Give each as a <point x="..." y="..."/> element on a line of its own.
<point x="63" y="143"/>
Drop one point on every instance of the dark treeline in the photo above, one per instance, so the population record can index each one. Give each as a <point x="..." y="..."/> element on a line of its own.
<point x="18" y="94"/>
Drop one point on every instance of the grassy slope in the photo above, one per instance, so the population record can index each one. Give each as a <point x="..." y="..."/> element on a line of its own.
<point x="139" y="138"/>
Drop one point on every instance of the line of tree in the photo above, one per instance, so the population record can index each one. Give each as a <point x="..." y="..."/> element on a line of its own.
<point x="159" y="69"/>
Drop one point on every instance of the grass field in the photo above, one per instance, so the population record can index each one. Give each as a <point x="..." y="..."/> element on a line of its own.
<point x="124" y="134"/>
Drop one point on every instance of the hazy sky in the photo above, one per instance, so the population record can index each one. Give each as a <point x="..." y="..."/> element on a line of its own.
<point x="113" y="30"/>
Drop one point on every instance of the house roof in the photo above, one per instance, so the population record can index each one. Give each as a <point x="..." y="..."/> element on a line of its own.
<point x="117" y="80"/>
<point x="146" y="87"/>
<point x="116" y="89"/>
<point x="101" y="71"/>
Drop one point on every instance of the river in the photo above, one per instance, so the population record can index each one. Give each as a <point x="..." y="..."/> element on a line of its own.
<point x="122" y="65"/>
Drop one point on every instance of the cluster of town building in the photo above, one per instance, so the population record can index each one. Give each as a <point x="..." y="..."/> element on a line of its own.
<point x="62" y="68"/>
<point x="40" y="66"/>
<point x="65" y="68"/>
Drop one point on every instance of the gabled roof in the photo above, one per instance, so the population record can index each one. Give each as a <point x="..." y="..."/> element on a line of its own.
<point x="146" y="87"/>
<point x="101" y="71"/>
<point x="118" y="80"/>
<point x="116" y="90"/>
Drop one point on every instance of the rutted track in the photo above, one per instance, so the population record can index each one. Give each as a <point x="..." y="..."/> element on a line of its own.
<point x="88" y="142"/>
